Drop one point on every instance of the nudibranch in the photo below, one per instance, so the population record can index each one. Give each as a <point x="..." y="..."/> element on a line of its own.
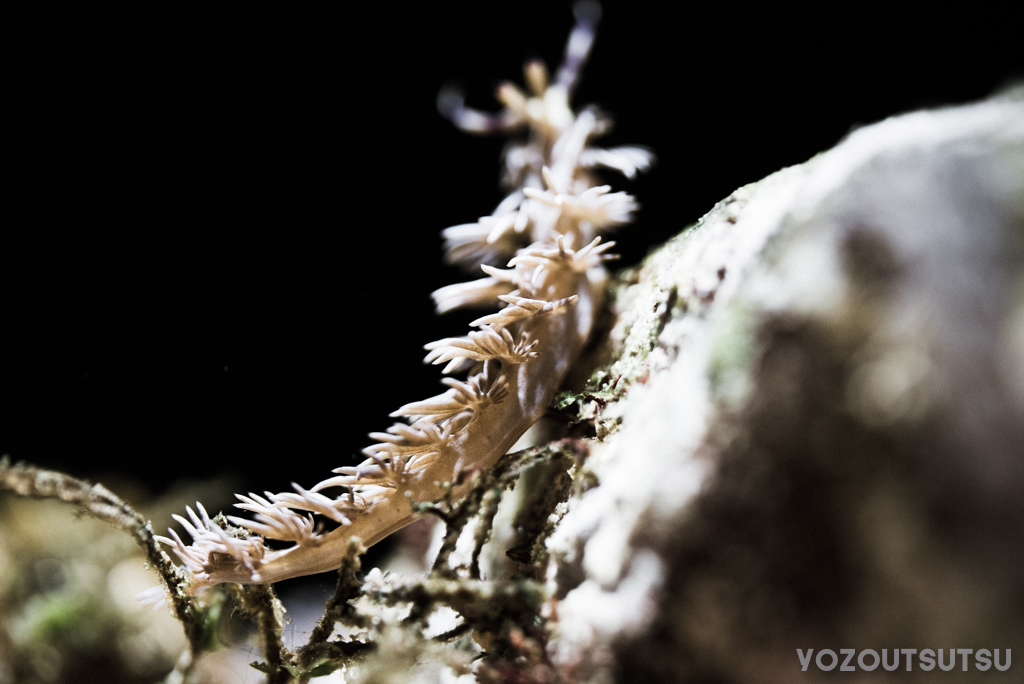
<point x="542" y="257"/>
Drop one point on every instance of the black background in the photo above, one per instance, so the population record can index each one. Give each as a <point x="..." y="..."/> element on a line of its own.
<point x="222" y="228"/>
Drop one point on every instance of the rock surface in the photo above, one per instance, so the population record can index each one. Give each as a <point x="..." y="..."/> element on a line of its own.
<point x="816" y="431"/>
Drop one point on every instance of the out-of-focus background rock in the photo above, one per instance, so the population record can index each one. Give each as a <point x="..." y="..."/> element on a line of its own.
<point x="79" y="602"/>
<point x="67" y="596"/>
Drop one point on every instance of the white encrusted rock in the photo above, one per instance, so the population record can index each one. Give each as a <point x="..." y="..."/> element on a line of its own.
<point x="820" y="419"/>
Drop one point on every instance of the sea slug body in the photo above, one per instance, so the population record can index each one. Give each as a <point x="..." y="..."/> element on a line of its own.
<point x="542" y="258"/>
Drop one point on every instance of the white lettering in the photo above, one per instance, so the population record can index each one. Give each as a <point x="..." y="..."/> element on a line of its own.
<point x="868" y="659"/>
<point x="860" y="659"/>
